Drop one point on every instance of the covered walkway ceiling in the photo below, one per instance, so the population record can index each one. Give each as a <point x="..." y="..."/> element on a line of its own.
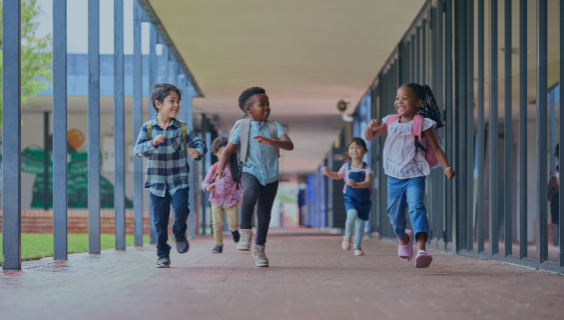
<point x="306" y="54"/>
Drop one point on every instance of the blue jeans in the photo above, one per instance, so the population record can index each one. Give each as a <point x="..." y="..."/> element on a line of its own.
<point x="404" y="192"/>
<point x="161" y="209"/>
<point x="353" y="219"/>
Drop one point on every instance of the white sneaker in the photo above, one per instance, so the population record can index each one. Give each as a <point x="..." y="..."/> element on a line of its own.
<point x="260" y="256"/>
<point x="245" y="241"/>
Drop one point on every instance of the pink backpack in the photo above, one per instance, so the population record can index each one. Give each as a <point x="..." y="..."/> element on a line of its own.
<point x="416" y="133"/>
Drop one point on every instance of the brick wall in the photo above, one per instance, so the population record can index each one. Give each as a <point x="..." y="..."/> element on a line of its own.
<point x="41" y="221"/>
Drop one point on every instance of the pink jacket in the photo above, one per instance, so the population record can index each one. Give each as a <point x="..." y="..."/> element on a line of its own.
<point x="225" y="191"/>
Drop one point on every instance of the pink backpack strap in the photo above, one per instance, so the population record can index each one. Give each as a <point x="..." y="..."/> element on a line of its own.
<point x="391" y="119"/>
<point x="417" y="126"/>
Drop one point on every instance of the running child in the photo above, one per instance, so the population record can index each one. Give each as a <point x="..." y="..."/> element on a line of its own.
<point x="223" y="197"/>
<point x="358" y="178"/>
<point x="167" y="142"/>
<point x="409" y="149"/>
<point x="257" y="141"/>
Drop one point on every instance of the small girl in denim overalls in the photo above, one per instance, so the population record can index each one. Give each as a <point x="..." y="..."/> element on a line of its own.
<point x="357" y="190"/>
<point x="407" y="166"/>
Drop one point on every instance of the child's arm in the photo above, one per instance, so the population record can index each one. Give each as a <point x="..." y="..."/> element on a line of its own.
<point x="374" y="129"/>
<point x="196" y="146"/>
<point x="332" y="175"/>
<point x="223" y="160"/>
<point x="361" y="185"/>
<point x="284" y="143"/>
<point x="439" y="154"/>
<point x="207" y="183"/>
<point x="144" y="147"/>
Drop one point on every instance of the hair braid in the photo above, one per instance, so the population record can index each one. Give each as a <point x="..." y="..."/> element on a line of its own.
<point x="429" y="108"/>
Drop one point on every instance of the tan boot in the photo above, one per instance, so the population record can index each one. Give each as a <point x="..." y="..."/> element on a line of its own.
<point x="245" y="241"/>
<point x="260" y="256"/>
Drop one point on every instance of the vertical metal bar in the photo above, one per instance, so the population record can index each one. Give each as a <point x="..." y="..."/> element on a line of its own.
<point x="203" y="166"/>
<point x="418" y="55"/>
<point x="493" y="134"/>
<point x="164" y="64"/>
<point x="561" y="132"/>
<point x="423" y="51"/>
<point x="552" y="117"/>
<point x="60" y="202"/>
<point x="542" y="227"/>
<point x="434" y="72"/>
<point x="94" y="126"/>
<point x="119" y="127"/>
<point x="508" y="136"/>
<point x="470" y="125"/>
<point x="152" y="80"/>
<point x="449" y="124"/>
<point x="188" y="118"/>
<point x="12" y="137"/>
<point x="460" y="74"/>
<point x="523" y="129"/>
<point x="481" y="129"/>
<point x="47" y="196"/>
<point x="137" y="123"/>
<point x="440" y="101"/>
<point x="412" y="58"/>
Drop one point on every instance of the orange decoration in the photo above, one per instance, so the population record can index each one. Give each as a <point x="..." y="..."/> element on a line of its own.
<point x="75" y="138"/>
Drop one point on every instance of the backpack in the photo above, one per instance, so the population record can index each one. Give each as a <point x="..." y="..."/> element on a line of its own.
<point x="239" y="156"/>
<point x="184" y="130"/>
<point x="416" y="128"/>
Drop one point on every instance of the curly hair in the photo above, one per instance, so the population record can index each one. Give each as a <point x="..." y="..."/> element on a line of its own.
<point x="429" y="109"/>
<point x="245" y="95"/>
<point x="159" y="91"/>
<point x="218" y="143"/>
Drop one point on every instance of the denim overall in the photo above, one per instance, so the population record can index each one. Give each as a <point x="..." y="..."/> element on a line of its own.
<point x="358" y="199"/>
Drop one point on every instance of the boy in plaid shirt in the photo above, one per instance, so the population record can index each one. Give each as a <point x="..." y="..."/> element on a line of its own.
<point x="161" y="140"/>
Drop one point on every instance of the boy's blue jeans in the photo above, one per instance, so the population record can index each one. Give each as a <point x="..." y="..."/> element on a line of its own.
<point x="404" y="192"/>
<point x="161" y="210"/>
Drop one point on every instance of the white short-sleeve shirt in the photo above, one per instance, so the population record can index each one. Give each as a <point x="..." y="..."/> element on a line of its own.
<point x="400" y="159"/>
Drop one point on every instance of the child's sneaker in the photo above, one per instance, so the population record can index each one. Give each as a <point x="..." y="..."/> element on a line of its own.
<point x="260" y="256"/>
<point x="358" y="251"/>
<point x="236" y="236"/>
<point x="163" y="262"/>
<point x="246" y="238"/>
<point x="346" y="243"/>
<point x="217" y="249"/>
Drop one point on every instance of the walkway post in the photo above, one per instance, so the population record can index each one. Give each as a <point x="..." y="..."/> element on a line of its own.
<point x="137" y="123"/>
<point x="119" y="127"/>
<point x="508" y="135"/>
<point x="152" y="81"/>
<point x="481" y="130"/>
<point x="561" y="151"/>
<point x="449" y="137"/>
<point x="470" y="140"/>
<point x="523" y="130"/>
<point x="12" y="137"/>
<point x="60" y="202"/>
<point x="188" y="118"/>
<point x="493" y="133"/>
<point x="542" y="91"/>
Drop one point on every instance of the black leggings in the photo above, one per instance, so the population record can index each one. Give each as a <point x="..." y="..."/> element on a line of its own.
<point x="265" y="195"/>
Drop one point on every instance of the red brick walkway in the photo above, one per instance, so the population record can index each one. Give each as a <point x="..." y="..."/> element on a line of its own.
<point x="310" y="278"/>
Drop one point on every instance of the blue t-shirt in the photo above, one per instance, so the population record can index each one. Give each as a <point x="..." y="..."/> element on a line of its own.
<point x="262" y="160"/>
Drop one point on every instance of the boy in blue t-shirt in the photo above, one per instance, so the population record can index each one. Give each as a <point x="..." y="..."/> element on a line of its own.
<point x="260" y="174"/>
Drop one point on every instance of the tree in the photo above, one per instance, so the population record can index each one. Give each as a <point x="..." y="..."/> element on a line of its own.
<point x="36" y="53"/>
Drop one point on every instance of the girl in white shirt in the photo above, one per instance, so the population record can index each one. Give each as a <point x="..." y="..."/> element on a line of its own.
<point x="406" y="165"/>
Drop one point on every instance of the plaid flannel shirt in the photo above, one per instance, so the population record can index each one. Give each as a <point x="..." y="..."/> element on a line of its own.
<point x="168" y="168"/>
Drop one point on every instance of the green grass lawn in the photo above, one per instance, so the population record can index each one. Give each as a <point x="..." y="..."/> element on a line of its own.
<point x="40" y="245"/>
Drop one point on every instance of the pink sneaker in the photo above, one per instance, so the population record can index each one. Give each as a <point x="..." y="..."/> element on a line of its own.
<point x="346" y="243"/>
<point x="358" y="251"/>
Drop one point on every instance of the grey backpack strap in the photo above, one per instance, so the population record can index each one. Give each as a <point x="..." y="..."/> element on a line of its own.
<point x="273" y="129"/>
<point x="244" y="133"/>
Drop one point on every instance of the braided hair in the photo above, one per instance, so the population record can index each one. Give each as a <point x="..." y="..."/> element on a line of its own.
<point x="429" y="108"/>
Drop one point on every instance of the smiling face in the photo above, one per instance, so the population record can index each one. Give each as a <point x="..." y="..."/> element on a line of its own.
<point x="407" y="103"/>
<point x="170" y="105"/>
<point x="258" y="107"/>
<point x="356" y="151"/>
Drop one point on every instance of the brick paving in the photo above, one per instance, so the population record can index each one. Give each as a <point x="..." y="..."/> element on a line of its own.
<point x="310" y="278"/>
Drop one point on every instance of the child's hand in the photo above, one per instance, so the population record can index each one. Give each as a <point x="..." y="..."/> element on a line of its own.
<point x="351" y="183"/>
<point x="210" y="187"/>
<point x="374" y="124"/>
<point x="449" y="173"/>
<point x="193" y="153"/>
<point x="218" y="174"/>
<point x="158" y="140"/>
<point x="324" y="170"/>
<point x="264" y="140"/>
